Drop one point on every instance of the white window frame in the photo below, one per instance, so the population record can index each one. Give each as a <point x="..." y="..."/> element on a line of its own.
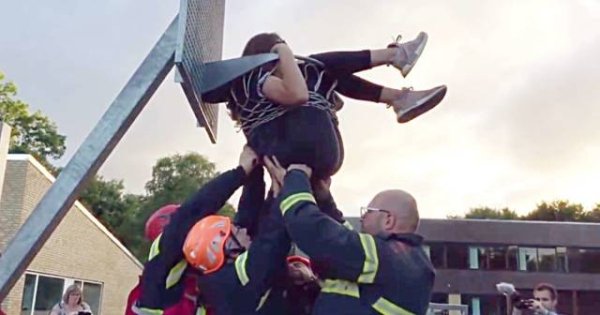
<point x="66" y="284"/>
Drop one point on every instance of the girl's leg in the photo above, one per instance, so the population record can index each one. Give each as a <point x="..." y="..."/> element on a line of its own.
<point x="358" y="88"/>
<point x="402" y="56"/>
<point x="345" y="62"/>
<point x="407" y="104"/>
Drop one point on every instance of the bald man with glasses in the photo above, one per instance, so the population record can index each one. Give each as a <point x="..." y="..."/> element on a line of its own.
<point x="381" y="270"/>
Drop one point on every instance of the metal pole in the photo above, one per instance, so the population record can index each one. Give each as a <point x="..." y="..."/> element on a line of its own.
<point x="89" y="157"/>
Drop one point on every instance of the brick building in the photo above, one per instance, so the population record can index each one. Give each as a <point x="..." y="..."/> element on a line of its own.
<point x="81" y="250"/>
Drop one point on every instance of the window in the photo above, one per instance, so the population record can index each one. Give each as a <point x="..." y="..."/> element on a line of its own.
<point x="485" y="304"/>
<point x="41" y="293"/>
<point x="92" y="295"/>
<point x="527" y="260"/>
<point x="562" y="263"/>
<point x="547" y="259"/>
<point x="441" y="298"/>
<point x="436" y="254"/>
<point x="49" y="292"/>
<point x="476" y="257"/>
<point x="497" y="258"/>
<point x="488" y="258"/>
<point x="458" y="256"/>
<point x="584" y="260"/>
<point x="513" y="254"/>
<point x="28" y="291"/>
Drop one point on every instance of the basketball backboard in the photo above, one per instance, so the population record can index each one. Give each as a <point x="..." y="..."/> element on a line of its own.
<point x="199" y="41"/>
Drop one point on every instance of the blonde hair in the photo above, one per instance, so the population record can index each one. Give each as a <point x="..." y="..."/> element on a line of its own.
<point x="70" y="290"/>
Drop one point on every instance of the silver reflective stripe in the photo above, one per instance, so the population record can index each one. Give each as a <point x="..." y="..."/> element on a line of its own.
<point x="371" y="263"/>
<point x="240" y="268"/>
<point x="263" y="299"/>
<point x="386" y="307"/>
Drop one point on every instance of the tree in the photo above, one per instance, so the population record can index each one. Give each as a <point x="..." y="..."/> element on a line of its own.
<point x="174" y="179"/>
<point x="489" y="213"/>
<point x="558" y="210"/>
<point x="32" y="133"/>
<point x="592" y="215"/>
<point x="109" y="203"/>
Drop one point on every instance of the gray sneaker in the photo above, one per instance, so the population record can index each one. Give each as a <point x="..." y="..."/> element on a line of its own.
<point x="412" y="104"/>
<point x="408" y="53"/>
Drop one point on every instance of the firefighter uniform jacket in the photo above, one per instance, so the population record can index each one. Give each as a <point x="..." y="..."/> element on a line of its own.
<point x="362" y="273"/>
<point x="161" y="279"/>
<point x="244" y="286"/>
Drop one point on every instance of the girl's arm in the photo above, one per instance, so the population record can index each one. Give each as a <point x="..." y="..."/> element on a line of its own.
<point x="291" y="88"/>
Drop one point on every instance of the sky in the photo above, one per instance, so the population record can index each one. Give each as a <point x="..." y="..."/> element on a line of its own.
<point x="519" y="123"/>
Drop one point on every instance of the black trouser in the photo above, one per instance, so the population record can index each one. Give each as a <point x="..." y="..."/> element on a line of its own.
<point x="307" y="135"/>
<point x="342" y="65"/>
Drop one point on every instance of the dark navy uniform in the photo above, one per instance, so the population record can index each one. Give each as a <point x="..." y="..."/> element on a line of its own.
<point x="162" y="284"/>
<point x="363" y="273"/>
<point x="244" y="286"/>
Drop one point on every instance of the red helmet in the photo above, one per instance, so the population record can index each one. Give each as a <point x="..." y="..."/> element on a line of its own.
<point x="158" y="220"/>
<point x="300" y="259"/>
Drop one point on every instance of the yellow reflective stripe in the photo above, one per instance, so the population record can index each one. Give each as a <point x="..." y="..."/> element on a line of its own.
<point x="201" y="311"/>
<point x="176" y="273"/>
<point x="341" y="287"/>
<point x="154" y="249"/>
<point x="146" y="311"/>
<point x="263" y="299"/>
<point x="291" y="200"/>
<point x="386" y="307"/>
<point x="240" y="268"/>
<point x="348" y="225"/>
<point x="371" y="260"/>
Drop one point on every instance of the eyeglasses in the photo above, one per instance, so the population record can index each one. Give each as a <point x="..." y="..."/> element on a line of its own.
<point x="365" y="210"/>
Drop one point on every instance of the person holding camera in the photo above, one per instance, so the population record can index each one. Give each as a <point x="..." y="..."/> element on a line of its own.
<point x="71" y="303"/>
<point x="545" y="298"/>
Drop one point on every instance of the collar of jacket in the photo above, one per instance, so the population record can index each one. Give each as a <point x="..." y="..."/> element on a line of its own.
<point x="411" y="239"/>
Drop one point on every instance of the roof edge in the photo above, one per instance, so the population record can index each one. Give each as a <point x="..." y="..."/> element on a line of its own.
<point x="77" y="204"/>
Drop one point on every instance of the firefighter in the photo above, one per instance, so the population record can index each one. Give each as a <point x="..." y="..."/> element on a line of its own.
<point x="382" y="270"/>
<point x="238" y="274"/>
<point x="163" y="281"/>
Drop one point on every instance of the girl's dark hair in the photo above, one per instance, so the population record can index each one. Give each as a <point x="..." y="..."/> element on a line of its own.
<point x="261" y="43"/>
<point x="258" y="44"/>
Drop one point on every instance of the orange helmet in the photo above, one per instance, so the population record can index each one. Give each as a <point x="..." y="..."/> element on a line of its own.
<point x="204" y="246"/>
<point x="158" y="220"/>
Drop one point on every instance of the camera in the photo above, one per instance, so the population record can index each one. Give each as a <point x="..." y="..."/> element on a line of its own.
<point x="84" y="313"/>
<point x="522" y="304"/>
<point x="518" y="301"/>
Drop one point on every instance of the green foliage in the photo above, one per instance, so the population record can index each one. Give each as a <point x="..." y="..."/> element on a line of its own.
<point x="489" y="213"/>
<point x="557" y="210"/>
<point x="174" y="179"/>
<point x="32" y="133"/>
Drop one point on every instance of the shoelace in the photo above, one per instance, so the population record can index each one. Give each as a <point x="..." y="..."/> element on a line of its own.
<point x="396" y="40"/>
<point x="396" y="44"/>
